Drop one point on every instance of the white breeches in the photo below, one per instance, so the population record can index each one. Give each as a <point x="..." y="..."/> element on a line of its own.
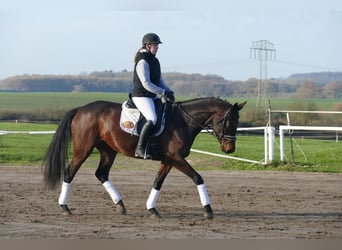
<point x="146" y="107"/>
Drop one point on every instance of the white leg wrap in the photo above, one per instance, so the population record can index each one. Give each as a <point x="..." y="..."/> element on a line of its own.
<point x="64" y="195"/>
<point x="152" y="199"/>
<point x="203" y="193"/>
<point x="114" y="194"/>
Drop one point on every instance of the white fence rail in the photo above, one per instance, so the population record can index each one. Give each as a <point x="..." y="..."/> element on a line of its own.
<point x="268" y="146"/>
<point x="268" y="143"/>
<point x="3" y="132"/>
<point x="282" y="128"/>
<point x="269" y="137"/>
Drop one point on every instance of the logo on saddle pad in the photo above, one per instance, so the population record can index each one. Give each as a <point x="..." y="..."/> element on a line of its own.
<point x="128" y="125"/>
<point x="131" y="120"/>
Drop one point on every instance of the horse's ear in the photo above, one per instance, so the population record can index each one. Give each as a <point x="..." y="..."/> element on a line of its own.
<point x="241" y="105"/>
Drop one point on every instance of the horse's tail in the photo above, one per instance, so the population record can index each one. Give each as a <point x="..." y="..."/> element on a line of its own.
<point x="56" y="157"/>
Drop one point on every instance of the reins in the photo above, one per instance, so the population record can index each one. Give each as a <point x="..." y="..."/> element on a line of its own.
<point x="221" y="136"/>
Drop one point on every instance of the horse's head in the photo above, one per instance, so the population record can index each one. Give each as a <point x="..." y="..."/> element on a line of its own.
<point x="226" y="126"/>
<point x="216" y="114"/>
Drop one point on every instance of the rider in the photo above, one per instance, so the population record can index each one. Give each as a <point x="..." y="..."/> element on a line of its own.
<point x="148" y="84"/>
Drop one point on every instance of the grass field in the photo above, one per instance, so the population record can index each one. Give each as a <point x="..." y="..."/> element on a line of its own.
<point x="310" y="155"/>
<point x="21" y="149"/>
<point x="28" y="101"/>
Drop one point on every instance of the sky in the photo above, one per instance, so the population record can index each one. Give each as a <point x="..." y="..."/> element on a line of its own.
<point x="207" y="37"/>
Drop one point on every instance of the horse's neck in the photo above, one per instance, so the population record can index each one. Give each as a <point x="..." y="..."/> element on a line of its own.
<point x="199" y="115"/>
<point x="203" y="116"/>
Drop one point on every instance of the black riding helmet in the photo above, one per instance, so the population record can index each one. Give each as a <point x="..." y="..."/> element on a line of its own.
<point x="150" y="38"/>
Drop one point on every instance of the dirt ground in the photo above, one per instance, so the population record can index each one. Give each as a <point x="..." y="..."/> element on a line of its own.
<point x="247" y="205"/>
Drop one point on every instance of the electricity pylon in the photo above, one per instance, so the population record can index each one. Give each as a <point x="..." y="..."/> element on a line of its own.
<point x="264" y="51"/>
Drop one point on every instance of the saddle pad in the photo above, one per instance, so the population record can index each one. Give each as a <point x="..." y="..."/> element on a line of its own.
<point x="130" y="117"/>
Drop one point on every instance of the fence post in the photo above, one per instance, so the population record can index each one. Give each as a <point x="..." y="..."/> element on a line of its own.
<point x="265" y="145"/>
<point x="281" y="137"/>
<point x="336" y="136"/>
<point x="271" y="132"/>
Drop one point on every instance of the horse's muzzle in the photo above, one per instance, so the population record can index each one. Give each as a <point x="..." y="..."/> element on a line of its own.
<point x="228" y="147"/>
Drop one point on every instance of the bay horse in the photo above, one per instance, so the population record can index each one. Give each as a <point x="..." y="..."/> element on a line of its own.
<point x="96" y="125"/>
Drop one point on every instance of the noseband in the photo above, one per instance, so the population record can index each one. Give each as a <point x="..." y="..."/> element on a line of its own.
<point x="221" y="136"/>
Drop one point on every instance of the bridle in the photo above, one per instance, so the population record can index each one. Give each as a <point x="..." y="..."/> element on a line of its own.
<point x="221" y="136"/>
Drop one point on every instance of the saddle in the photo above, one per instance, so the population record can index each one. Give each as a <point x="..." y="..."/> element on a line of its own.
<point x="131" y="119"/>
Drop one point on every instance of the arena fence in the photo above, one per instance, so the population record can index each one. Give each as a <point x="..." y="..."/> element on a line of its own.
<point x="268" y="143"/>
<point x="269" y="139"/>
<point x="3" y="132"/>
<point x="269" y="133"/>
<point x="291" y="128"/>
<point x="283" y="128"/>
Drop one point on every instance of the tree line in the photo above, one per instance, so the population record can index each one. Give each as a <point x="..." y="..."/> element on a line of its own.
<point x="312" y="85"/>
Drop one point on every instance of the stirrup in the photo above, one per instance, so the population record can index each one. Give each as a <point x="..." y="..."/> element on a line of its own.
<point x="141" y="155"/>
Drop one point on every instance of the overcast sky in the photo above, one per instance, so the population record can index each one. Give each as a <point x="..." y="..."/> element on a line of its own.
<point x="206" y="37"/>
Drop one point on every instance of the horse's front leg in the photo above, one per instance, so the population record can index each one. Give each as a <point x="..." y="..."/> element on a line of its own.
<point x="183" y="166"/>
<point x="154" y="194"/>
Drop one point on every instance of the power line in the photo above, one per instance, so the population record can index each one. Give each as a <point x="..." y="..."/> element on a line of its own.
<point x="262" y="50"/>
<point x="322" y="67"/>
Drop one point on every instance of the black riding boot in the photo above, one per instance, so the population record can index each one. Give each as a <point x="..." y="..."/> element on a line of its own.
<point x="145" y="133"/>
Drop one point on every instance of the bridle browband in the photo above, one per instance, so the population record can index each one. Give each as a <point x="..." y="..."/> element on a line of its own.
<point x="221" y="136"/>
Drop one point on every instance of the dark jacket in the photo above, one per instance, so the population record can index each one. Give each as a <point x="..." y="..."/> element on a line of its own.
<point x="155" y="74"/>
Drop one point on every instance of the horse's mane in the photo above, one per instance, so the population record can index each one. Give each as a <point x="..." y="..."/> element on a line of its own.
<point x="201" y="99"/>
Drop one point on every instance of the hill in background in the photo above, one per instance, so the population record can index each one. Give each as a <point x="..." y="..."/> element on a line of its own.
<point x="309" y="85"/>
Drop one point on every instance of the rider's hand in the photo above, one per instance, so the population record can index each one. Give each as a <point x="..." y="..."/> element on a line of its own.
<point x="169" y="96"/>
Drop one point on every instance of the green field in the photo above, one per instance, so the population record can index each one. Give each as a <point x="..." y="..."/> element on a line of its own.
<point x="310" y="155"/>
<point x="28" y="101"/>
<point x="21" y="149"/>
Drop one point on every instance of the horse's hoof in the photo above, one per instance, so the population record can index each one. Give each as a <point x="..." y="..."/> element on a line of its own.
<point x="66" y="210"/>
<point x="120" y="207"/>
<point x="154" y="213"/>
<point x="209" y="216"/>
<point x="208" y="212"/>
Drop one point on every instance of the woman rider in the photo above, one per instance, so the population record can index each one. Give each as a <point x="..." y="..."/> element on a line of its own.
<point x="148" y="84"/>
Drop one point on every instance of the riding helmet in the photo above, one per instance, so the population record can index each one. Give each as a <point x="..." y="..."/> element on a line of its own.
<point x="151" y="38"/>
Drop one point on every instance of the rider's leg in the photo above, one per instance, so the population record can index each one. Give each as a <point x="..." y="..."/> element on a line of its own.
<point x="145" y="133"/>
<point x="147" y="108"/>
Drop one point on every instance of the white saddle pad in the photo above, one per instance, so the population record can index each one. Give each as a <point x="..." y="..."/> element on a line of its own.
<point x="129" y="120"/>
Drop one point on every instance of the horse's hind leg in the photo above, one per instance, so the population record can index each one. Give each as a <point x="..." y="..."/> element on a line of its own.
<point x="102" y="174"/>
<point x="69" y="174"/>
